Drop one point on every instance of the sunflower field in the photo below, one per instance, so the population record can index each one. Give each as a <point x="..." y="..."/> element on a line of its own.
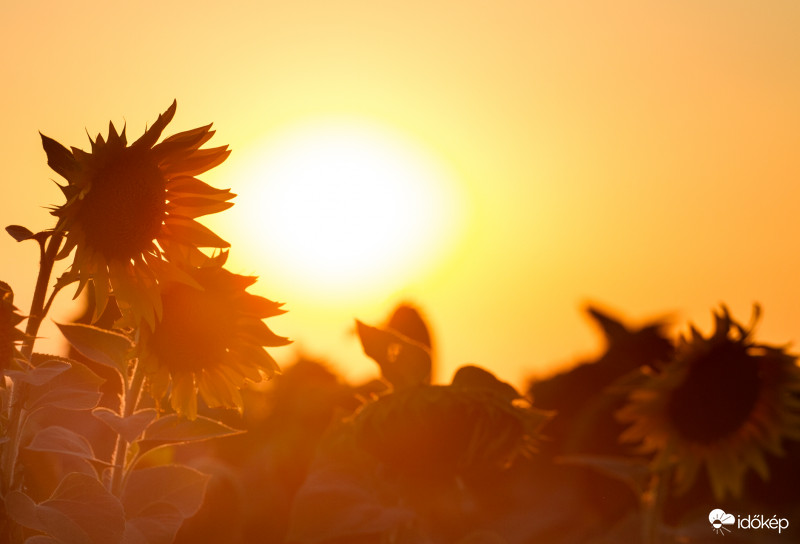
<point x="158" y="426"/>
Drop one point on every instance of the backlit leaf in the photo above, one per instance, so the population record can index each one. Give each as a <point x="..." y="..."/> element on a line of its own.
<point x="41" y="374"/>
<point x="57" y="439"/>
<point x="100" y="345"/>
<point x="342" y="505"/>
<point x="42" y="539"/>
<point x="158" y="523"/>
<point x="80" y="510"/>
<point x="172" y="429"/>
<point x="129" y="428"/>
<point x="76" y="388"/>
<point x="179" y="486"/>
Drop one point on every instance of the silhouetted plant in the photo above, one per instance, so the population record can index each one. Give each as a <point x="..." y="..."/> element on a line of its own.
<point x="717" y="409"/>
<point x="411" y="464"/>
<point x="187" y="326"/>
<point x="612" y="450"/>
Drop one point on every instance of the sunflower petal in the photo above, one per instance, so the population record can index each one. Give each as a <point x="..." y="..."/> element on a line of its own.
<point x="151" y="136"/>
<point x="257" y="332"/>
<point x="218" y="391"/>
<point x="184" y="395"/>
<point x="101" y="290"/>
<point x="183" y="141"/>
<point x="252" y="357"/>
<point x="192" y="207"/>
<point x="168" y="272"/>
<point x="192" y="185"/>
<point x="200" y="161"/>
<point x="189" y="231"/>
<point x="257" y="306"/>
<point x="159" y="380"/>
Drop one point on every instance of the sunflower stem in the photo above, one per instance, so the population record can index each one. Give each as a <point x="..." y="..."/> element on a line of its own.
<point x="50" y="299"/>
<point x="128" y="403"/>
<point x="47" y="258"/>
<point x="653" y="505"/>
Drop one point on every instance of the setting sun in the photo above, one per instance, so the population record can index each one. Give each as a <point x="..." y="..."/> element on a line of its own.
<point x="348" y="208"/>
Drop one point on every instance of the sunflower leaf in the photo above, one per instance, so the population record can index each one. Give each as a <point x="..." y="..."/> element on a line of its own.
<point x="179" y="486"/>
<point x="79" y="510"/>
<point x="129" y="428"/>
<point x="100" y="345"/>
<point x="173" y="429"/>
<point x="158" y="499"/>
<point x="340" y="504"/>
<point x="159" y="523"/>
<point x="19" y="233"/>
<point x="42" y="539"/>
<point x="57" y="439"/>
<point x="75" y="388"/>
<point x="403" y="362"/>
<point x="41" y="374"/>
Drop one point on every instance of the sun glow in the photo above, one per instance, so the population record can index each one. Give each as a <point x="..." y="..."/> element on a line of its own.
<point x="341" y="209"/>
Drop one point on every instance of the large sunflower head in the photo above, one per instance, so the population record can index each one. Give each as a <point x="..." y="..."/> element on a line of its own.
<point x="476" y="424"/>
<point x="10" y="335"/>
<point x="721" y="404"/>
<point x="130" y="211"/>
<point x="210" y="340"/>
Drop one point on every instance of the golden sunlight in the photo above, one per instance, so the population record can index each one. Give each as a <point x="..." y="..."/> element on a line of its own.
<point x="345" y="209"/>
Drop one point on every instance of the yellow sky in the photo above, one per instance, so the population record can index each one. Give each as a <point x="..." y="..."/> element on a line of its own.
<point x="642" y="155"/>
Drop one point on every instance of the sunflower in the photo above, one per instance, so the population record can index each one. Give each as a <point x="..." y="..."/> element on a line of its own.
<point x="210" y="339"/>
<point x="476" y="424"/>
<point x="10" y="335"/>
<point x="130" y="210"/>
<point x="722" y="404"/>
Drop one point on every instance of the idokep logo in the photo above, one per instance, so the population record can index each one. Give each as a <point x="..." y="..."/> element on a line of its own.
<point x="721" y="521"/>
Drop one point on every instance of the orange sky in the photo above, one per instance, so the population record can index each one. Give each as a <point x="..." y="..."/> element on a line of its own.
<point x="642" y="155"/>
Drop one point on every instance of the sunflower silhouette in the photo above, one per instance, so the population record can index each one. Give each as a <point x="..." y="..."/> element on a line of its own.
<point x="210" y="340"/>
<point x="722" y="404"/>
<point x="130" y="212"/>
<point x="477" y="423"/>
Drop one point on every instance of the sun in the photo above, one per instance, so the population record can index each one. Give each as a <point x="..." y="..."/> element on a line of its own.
<point x="343" y="208"/>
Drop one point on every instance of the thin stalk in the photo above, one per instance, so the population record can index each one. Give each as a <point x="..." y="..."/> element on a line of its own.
<point x="50" y="299"/>
<point x="128" y="404"/>
<point x="47" y="258"/>
<point x="653" y="506"/>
